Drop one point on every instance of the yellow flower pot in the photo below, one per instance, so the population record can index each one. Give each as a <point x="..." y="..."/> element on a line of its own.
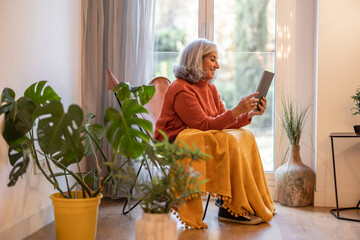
<point x="75" y="218"/>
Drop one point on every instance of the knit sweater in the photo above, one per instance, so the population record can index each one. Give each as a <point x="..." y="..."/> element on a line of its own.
<point x="194" y="105"/>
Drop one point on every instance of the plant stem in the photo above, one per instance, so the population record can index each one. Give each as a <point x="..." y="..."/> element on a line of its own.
<point x="36" y="159"/>
<point x="81" y="176"/>
<point x="105" y="180"/>
<point x="67" y="184"/>
<point x="96" y="158"/>
<point x="147" y="165"/>
<point x="53" y="175"/>
<point x="79" y="180"/>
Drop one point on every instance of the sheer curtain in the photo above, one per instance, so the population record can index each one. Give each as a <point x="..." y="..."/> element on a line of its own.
<point x="117" y="34"/>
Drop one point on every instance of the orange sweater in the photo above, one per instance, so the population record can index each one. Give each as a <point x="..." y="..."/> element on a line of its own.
<point x="194" y="105"/>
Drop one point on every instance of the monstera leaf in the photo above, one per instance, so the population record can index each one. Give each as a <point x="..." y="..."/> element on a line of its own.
<point x="123" y="132"/>
<point x="19" y="157"/>
<point x="144" y="92"/>
<point x="59" y="132"/>
<point x="40" y="95"/>
<point x="18" y="115"/>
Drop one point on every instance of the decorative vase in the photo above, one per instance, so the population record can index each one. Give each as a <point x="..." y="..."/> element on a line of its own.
<point x="295" y="181"/>
<point x="75" y="218"/>
<point x="357" y="129"/>
<point x="155" y="226"/>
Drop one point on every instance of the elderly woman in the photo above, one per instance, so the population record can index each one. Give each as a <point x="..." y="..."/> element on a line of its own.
<point x="194" y="112"/>
<point x="192" y="101"/>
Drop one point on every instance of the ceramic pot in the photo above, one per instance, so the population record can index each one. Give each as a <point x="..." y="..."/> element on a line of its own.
<point x="75" y="218"/>
<point x="357" y="129"/>
<point x="295" y="181"/>
<point x="156" y="226"/>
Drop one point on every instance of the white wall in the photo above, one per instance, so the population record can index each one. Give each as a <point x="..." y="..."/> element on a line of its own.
<point x="39" y="40"/>
<point x="338" y="78"/>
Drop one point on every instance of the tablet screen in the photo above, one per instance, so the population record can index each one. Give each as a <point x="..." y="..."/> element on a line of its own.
<point x="264" y="84"/>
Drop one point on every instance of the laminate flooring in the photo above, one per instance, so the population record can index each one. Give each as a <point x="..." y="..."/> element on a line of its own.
<point x="287" y="223"/>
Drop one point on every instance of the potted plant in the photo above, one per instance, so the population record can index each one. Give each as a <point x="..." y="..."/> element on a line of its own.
<point x="37" y="128"/>
<point x="294" y="180"/>
<point x="356" y="99"/>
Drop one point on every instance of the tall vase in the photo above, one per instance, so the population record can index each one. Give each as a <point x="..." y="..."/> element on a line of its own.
<point x="295" y="181"/>
<point x="155" y="226"/>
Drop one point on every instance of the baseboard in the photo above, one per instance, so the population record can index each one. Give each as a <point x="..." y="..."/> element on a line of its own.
<point x="26" y="226"/>
<point x="327" y="199"/>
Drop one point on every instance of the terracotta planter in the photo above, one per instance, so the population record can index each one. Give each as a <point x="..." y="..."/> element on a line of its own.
<point x="156" y="226"/>
<point x="295" y="181"/>
<point x="75" y="218"/>
<point x="357" y="129"/>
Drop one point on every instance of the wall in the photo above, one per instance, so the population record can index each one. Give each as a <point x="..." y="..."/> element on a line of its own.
<point x="338" y="78"/>
<point x="39" y="40"/>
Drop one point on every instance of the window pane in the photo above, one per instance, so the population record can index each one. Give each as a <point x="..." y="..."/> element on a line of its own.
<point x="175" y="25"/>
<point x="245" y="33"/>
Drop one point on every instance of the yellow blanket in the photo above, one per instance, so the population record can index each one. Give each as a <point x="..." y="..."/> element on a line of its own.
<point x="236" y="174"/>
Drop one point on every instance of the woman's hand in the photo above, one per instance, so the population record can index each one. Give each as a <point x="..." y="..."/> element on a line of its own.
<point x="262" y="107"/>
<point x="246" y="105"/>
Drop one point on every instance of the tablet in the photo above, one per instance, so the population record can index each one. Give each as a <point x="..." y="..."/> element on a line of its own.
<point x="264" y="85"/>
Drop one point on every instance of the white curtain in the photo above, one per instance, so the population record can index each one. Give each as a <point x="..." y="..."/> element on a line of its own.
<point x="117" y="34"/>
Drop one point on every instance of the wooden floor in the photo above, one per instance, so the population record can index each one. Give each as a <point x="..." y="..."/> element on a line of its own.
<point x="288" y="223"/>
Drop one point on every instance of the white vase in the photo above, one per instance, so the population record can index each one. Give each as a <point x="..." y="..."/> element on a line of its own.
<point x="156" y="226"/>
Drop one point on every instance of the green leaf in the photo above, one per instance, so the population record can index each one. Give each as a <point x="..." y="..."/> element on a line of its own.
<point x="122" y="91"/>
<point x="7" y="95"/>
<point x="18" y="119"/>
<point x="40" y="95"/>
<point x="97" y="132"/>
<point x="89" y="180"/>
<point x="5" y="108"/>
<point x="131" y="107"/>
<point x="16" y="153"/>
<point x="147" y="93"/>
<point x="123" y="129"/>
<point x="144" y="92"/>
<point x="59" y="132"/>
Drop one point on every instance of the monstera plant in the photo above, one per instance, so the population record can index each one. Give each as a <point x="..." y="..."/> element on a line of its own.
<point x="37" y="128"/>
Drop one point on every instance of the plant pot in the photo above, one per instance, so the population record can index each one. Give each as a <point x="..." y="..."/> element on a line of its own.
<point x="357" y="129"/>
<point x="157" y="226"/>
<point x="75" y="218"/>
<point x="295" y="181"/>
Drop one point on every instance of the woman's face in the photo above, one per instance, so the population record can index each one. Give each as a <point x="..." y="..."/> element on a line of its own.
<point x="210" y="64"/>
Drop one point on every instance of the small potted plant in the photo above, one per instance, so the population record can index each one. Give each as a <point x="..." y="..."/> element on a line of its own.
<point x="356" y="99"/>
<point x="37" y="128"/>
<point x="169" y="188"/>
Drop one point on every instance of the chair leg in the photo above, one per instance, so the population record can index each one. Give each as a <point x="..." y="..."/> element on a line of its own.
<point x="206" y="206"/>
<point x="131" y="190"/>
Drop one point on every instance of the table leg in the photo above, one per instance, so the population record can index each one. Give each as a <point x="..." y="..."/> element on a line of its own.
<point x="336" y="193"/>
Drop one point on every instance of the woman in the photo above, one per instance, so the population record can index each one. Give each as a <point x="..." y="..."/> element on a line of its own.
<point x="192" y="102"/>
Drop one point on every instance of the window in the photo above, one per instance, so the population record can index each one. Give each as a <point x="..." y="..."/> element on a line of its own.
<point x="175" y="25"/>
<point x="245" y="33"/>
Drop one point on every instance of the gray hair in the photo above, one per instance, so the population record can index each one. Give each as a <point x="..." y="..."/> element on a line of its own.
<point x="191" y="60"/>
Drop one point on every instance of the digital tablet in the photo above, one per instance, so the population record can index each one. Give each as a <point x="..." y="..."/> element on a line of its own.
<point x="264" y="85"/>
